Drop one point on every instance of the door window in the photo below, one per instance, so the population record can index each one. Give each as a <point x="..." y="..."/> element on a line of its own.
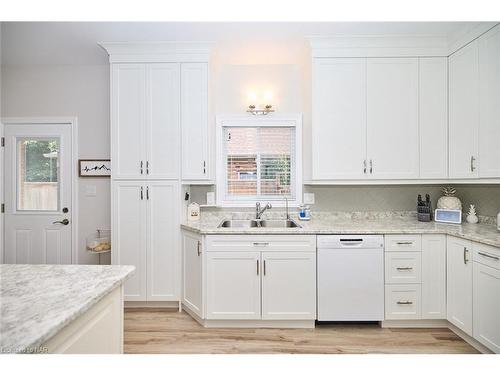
<point x="37" y="174"/>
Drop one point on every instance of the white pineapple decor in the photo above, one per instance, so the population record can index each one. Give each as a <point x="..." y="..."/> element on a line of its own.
<point x="449" y="201"/>
<point x="471" y="216"/>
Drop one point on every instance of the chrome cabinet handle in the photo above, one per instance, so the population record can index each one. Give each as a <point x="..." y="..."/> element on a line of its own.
<point x="472" y="160"/>
<point x="261" y="243"/>
<point x="364" y="166"/>
<point x="405" y="243"/>
<point x="142" y="193"/>
<point x="371" y="166"/>
<point x="63" y="222"/>
<point x="257" y="267"/>
<point x="142" y="171"/>
<point x="147" y="166"/>
<point x="488" y="255"/>
<point x="204" y="167"/>
<point x="404" y="268"/>
<point x="198" y="248"/>
<point x="405" y="303"/>
<point x="147" y="192"/>
<point x="465" y="255"/>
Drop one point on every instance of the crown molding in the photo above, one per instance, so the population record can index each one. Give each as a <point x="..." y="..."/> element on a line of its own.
<point x="143" y="52"/>
<point x="464" y="37"/>
<point x="378" y="46"/>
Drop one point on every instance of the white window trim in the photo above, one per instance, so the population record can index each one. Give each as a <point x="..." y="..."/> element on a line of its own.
<point x="289" y="120"/>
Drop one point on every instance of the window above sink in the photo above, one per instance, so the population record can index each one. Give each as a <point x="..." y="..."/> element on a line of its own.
<point x="259" y="159"/>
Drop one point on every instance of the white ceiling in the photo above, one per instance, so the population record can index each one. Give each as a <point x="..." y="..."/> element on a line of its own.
<point x="33" y="43"/>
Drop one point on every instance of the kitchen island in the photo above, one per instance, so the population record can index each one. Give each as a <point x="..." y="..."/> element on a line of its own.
<point x="62" y="308"/>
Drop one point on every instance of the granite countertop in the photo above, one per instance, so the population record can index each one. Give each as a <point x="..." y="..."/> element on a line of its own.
<point x="37" y="301"/>
<point x="354" y="223"/>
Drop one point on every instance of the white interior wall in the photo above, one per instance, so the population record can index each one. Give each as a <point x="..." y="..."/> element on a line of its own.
<point x="70" y="90"/>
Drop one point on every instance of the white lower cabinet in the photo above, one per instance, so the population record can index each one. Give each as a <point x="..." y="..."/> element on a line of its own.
<point x="486" y="301"/>
<point x="459" y="283"/>
<point x="415" y="276"/>
<point x="434" y="276"/>
<point x="145" y="234"/>
<point x="288" y="285"/>
<point x="233" y="285"/>
<point x="252" y="278"/>
<point x="403" y="301"/>
<point x="192" y="272"/>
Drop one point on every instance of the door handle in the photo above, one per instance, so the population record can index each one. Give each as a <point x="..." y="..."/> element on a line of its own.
<point x="63" y="222"/>
<point x="147" y="166"/>
<point x="257" y="267"/>
<point x="404" y="303"/>
<point x="198" y="246"/>
<point x="364" y="166"/>
<point x="147" y="192"/>
<point x="404" y="268"/>
<point x="142" y="193"/>
<point x="465" y="255"/>
<point x="371" y="166"/>
<point x="141" y="167"/>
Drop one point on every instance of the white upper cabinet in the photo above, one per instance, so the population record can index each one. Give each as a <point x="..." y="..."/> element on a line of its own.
<point x="145" y="121"/>
<point x="163" y="121"/>
<point x="194" y="120"/>
<point x="392" y="118"/>
<point x="128" y="121"/>
<point x="339" y="118"/>
<point x="464" y="112"/>
<point x="433" y="117"/>
<point x="489" y="94"/>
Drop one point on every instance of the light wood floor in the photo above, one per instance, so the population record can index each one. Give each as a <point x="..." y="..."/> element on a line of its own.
<point x="167" y="331"/>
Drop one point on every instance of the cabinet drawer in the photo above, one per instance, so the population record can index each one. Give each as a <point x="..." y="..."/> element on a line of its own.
<point x="403" y="267"/>
<point x="261" y="243"/>
<point x="408" y="242"/>
<point x="487" y="255"/>
<point x="403" y="301"/>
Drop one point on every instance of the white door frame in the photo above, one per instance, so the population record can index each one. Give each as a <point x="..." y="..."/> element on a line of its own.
<point x="73" y="123"/>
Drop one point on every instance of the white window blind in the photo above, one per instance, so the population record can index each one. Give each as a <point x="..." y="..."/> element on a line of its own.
<point x="260" y="162"/>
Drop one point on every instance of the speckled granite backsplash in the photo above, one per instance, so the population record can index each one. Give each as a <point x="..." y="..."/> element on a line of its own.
<point x="486" y="198"/>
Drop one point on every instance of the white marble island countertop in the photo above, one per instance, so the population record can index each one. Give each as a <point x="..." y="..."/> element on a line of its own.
<point x="37" y="301"/>
<point x="354" y="223"/>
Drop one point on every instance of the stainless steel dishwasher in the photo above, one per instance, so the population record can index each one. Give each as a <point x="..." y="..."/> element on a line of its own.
<point x="350" y="277"/>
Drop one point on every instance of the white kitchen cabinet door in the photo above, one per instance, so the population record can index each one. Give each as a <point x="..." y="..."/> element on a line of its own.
<point x="489" y="104"/>
<point x="194" y="121"/>
<point x="433" y="276"/>
<point x="163" y="121"/>
<point x="339" y="119"/>
<point x="233" y="285"/>
<point x="487" y="306"/>
<point x="192" y="273"/>
<point x="392" y="118"/>
<point x="128" y="207"/>
<point x="459" y="283"/>
<point x="288" y="285"/>
<point x="464" y="112"/>
<point x="163" y="255"/>
<point x="128" y="121"/>
<point x="433" y="117"/>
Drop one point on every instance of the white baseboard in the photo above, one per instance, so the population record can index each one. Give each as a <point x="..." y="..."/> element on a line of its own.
<point x="469" y="339"/>
<point x="423" y="323"/>
<point x="152" y="304"/>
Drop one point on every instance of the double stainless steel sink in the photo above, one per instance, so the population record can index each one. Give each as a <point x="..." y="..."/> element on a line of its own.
<point x="252" y="223"/>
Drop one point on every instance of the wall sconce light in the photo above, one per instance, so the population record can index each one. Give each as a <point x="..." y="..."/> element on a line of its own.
<point x="267" y="109"/>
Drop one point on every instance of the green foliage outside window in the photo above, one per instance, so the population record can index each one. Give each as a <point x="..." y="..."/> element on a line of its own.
<point x="39" y="166"/>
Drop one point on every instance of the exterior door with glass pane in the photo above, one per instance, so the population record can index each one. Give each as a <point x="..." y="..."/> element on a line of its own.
<point x="38" y="208"/>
